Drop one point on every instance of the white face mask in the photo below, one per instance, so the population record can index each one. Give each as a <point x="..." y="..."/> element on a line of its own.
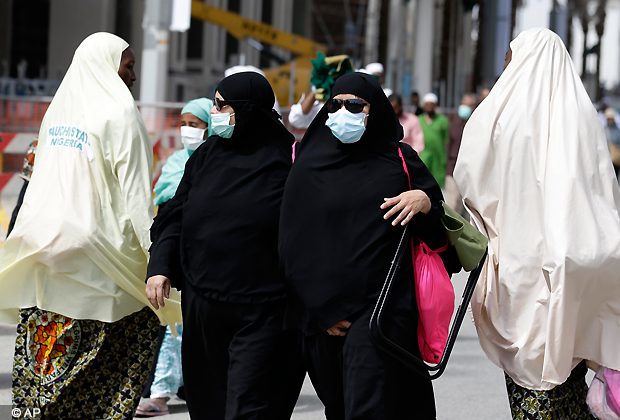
<point x="192" y="137"/>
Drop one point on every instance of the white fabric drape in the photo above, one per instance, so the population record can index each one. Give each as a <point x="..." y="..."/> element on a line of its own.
<point x="535" y="174"/>
<point x="80" y="244"/>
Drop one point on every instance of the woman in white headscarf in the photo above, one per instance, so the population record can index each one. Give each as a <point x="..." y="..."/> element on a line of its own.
<point x="72" y="272"/>
<point x="535" y="174"/>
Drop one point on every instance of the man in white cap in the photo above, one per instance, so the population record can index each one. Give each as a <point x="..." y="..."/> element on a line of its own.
<point x="376" y="69"/>
<point x="435" y="129"/>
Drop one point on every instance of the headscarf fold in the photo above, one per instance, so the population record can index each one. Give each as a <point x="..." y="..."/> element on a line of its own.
<point x="335" y="247"/>
<point x="80" y="244"/>
<point x="536" y="176"/>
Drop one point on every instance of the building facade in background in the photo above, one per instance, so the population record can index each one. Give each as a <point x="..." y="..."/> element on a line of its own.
<point x="448" y="47"/>
<point x="38" y="39"/>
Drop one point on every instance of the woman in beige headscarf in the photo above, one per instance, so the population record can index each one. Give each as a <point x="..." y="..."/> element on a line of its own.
<point x="72" y="272"/>
<point x="535" y="174"/>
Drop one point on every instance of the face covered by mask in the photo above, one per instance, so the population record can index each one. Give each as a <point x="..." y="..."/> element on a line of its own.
<point x="192" y="137"/>
<point x="346" y="126"/>
<point x="464" y="112"/>
<point x="221" y="124"/>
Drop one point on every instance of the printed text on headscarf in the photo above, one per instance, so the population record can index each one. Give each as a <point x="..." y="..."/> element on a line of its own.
<point x="71" y="137"/>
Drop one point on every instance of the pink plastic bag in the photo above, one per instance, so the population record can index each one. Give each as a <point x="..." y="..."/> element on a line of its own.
<point x="600" y="395"/>
<point x="435" y="297"/>
<point x="612" y="377"/>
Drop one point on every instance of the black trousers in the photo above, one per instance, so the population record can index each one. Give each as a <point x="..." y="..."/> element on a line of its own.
<point x="238" y="363"/>
<point x="357" y="381"/>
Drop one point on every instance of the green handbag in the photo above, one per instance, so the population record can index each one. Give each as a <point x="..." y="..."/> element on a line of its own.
<point x="469" y="242"/>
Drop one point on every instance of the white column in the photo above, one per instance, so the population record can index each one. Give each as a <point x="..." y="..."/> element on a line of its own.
<point x="423" y="60"/>
<point x="373" y="18"/>
<point x="153" y="80"/>
<point x="502" y="34"/>
<point x="282" y="18"/>
<point x="409" y="52"/>
<point x="155" y="51"/>
<point x="251" y="9"/>
<point x="396" y="38"/>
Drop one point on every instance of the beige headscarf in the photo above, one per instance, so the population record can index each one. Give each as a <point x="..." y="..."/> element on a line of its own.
<point x="535" y="174"/>
<point x="80" y="243"/>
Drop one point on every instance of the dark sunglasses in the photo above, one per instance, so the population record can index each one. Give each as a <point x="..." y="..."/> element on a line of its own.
<point x="352" y="105"/>
<point x="219" y="103"/>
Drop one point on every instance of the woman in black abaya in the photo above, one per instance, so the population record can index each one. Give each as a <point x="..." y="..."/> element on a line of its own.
<point x="337" y="240"/>
<point x="222" y="229"/>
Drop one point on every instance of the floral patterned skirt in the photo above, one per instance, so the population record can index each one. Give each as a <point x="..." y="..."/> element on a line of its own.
<point x="564" y="402"/>
<point x="70" y="368"/>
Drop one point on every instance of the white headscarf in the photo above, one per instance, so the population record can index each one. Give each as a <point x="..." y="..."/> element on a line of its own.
<point x="535" y="174"/>
<point x="80" y="243"/>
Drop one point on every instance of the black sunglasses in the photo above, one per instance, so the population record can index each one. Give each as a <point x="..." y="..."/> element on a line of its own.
<point x="220" y="103"/>
<point x="352" y="105"/>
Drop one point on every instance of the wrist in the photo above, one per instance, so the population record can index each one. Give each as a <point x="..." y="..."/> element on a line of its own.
<point x="427" y="205"/>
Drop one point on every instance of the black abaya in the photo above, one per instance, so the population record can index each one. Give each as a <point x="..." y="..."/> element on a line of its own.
<point x="221" y="227"/>
<point x="336" y="249"/>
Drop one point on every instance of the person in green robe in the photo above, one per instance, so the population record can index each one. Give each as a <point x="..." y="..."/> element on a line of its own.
<point x="435" y="129"/>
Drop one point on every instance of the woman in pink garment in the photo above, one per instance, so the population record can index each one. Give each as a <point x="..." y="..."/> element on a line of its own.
<point x="413" y="135"/>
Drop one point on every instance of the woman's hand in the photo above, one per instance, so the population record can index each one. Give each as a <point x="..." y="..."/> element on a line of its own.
<point x="158" y="287"/>
<point x="337" y="330"/>
<point x="410" y="203"/>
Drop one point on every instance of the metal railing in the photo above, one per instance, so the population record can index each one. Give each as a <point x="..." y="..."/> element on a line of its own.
<point x="25" y="113"/>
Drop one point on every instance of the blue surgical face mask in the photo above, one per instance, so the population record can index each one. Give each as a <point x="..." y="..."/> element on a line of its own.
<point x="464" y="111"/>
<point x="221" y="124"/>
<point x="346" y="126"/>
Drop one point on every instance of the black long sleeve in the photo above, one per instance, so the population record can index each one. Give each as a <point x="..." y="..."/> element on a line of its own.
<point x="165" y="253"/>
<point x="428" y="227"/>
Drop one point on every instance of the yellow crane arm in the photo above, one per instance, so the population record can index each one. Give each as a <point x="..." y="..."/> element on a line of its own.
<point x="241" y="28"/>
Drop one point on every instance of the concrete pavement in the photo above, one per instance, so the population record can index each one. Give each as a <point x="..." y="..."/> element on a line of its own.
<point x="471" y="388"/>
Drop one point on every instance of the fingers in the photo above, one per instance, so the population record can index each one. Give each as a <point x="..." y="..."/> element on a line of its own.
<point x="343" y="324"/>
<point x="398" y="207"/>
<point x="151" y="293"/>
<point x="408" y="218"/>
<point x="153" y="298"/>
<point x="390" y="202"/>
<point x="158" y="288"/>
<point x="160" y="295"/>
<point x="167" y="289"/>
<point x="337" y="330"/>
<point x="405" y="216"/>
